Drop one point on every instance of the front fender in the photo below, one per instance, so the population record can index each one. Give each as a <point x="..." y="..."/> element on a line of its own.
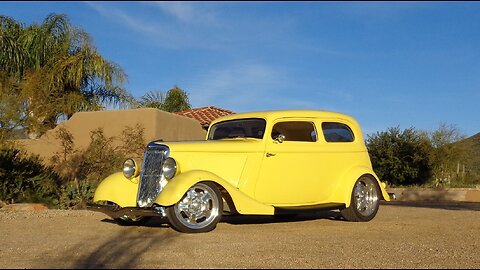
<point x="343" y="192"/>
<point x="118" y="189"/>
<point x="179" y="185"/>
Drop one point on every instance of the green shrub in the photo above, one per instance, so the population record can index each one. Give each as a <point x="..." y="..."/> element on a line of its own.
<point x="71" y="180"/>
<point x="24" y="178"/>
<point x="76" y="194"/>
<point x="81" y="170"/>
<point x="400" y="157"/>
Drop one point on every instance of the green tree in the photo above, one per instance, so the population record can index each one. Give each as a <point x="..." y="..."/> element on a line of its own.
<point x="447" y="155"/>
<point x="400" y="157"/>
<point x="58" y="70"/>
<point x="175" y="100"/>
<point x="152" y="99"/>
<point x="10" y="106"/>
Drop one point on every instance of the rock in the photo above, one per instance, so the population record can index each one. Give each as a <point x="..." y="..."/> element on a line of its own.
<point x="25" y="207"/>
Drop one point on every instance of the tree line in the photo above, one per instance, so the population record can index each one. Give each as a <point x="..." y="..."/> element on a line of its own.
<point x="412" y="157"/>
<point x="50" y="71"/>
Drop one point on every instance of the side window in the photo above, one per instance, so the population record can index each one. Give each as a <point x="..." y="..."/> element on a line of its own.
<point x="295" y="131"/>
<point x="337" y="132"/>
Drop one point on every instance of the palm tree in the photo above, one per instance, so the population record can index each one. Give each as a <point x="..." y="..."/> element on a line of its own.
<point x="152" y="99"/>
<point x="58" y="70"/>
<point x="175" y="100"/>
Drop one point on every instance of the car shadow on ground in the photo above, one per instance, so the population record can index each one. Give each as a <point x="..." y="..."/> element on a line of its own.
<point x="238" y="219"/>
<point x="121" y="250"/>
<point x="152" y="222"/>
<point x="298" y="217"/>
<point x="447" y="205"/>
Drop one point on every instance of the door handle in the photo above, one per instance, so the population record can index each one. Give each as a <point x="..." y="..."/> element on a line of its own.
<point x="270" y="154"/>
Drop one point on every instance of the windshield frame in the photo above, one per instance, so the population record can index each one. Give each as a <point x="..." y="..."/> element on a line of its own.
<point x="214" y="127"/>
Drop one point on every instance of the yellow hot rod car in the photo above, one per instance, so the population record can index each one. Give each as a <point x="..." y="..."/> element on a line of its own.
<point x="258" y="163"/>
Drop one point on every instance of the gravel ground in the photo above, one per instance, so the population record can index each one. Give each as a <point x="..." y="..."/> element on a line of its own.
<point x="401" y="236"/>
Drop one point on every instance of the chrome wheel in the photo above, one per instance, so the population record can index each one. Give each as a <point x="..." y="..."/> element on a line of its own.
<point x="199" y="210"/>
<point x="366" y="196"/>
<point x="365" y="200"/>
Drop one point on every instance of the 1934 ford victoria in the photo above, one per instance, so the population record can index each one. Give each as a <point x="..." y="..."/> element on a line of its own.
<point x="258" y="163"/>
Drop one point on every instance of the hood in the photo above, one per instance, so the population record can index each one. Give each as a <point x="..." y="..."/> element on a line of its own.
<point x="236" y="145"/>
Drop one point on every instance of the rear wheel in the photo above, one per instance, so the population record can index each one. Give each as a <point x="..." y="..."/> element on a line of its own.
<point x="199" y="210"/>
<point x="365" y="200"/>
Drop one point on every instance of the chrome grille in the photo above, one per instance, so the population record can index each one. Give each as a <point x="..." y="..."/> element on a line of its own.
<point x="151" y="174"/>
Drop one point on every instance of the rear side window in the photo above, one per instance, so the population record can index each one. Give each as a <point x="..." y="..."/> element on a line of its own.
<point x="337" y="132"/>
<point x="295" y="131"/>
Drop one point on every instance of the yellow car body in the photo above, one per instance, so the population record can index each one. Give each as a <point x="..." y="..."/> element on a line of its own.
<point x="315" y="165"/>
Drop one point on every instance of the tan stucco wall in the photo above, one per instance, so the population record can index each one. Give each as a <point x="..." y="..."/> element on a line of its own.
<point x="157" y="124"/>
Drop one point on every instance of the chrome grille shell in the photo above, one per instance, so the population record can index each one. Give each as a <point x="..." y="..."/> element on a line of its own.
<point x="151" y="174"/>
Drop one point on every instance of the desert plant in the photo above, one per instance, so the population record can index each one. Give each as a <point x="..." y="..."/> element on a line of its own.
<point x="82" y="169"/>
<point x="76" y="194"/>
<point x="24" y="178"/>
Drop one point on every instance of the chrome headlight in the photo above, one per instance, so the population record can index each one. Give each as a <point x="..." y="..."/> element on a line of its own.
<point x="130" y="168"/>
<point x="169" y="168"/>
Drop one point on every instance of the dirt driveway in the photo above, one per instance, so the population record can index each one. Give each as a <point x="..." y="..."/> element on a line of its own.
<point x="401" y="236"/>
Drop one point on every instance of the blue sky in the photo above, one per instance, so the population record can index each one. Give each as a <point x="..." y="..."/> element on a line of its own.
<point x="388" y="64"/>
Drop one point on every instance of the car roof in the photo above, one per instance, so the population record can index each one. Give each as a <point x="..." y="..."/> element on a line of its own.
<point x="275" y="114"/>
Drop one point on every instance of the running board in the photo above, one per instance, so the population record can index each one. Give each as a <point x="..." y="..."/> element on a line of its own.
<point x="305" y="208"/>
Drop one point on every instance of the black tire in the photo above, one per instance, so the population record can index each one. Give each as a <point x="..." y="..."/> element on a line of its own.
<point x="365" y="200"/>
<point x="199" y="210"/>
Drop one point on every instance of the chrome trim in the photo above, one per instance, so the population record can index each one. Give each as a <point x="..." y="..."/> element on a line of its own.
<point x="151" y="174"/>
<point x="392" y="196"/>
<point x="119" y="212"/>
<point x="130" y="171"/>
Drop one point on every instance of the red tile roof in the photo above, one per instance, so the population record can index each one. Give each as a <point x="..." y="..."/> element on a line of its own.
<point x="205" y="115"/>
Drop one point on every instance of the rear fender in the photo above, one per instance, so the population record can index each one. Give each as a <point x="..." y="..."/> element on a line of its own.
<point x="343" y="191"/>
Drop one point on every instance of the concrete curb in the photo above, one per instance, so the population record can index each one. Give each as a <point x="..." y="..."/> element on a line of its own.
<point x="429" y="194"/>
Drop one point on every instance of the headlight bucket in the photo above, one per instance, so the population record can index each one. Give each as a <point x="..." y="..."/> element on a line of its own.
<point x="130" y="168"/>
<point x="169" y="168"/>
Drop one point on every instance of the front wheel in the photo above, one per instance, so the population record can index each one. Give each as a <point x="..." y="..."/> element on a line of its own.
<point x="199" y="210"/>
<point x="364" y="201"/>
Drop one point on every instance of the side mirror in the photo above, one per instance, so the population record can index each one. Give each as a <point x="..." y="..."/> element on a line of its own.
<point x="280" y="138"/>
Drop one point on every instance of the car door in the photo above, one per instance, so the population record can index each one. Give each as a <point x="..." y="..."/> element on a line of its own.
<point x="289" y="171"/>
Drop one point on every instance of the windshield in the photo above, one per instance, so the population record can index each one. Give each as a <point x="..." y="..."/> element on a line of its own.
<point x="238" y="128"/>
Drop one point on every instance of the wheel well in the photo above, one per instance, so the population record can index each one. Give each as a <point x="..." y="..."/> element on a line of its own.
<point x="226" y="197"/>
<point x="376" y="183"/>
